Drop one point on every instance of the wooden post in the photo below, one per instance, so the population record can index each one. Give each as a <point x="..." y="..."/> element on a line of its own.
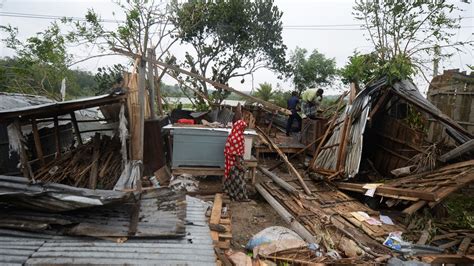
<point x="39" y="148"/>
<point x="24" y="164"/>
<point x="95" y="161"/>
<point x="57" y="139"/>
<point x="137" y="139"/>
<point x="76" y="127"/>
<point x="151" y="84"/>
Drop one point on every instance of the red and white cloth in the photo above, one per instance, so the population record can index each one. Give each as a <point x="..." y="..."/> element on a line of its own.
<point x="234" y="145"/>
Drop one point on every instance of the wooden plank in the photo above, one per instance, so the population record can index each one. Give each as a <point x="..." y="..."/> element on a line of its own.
<point x="76" y="127"/>
<point x="450" y="244"/>
<point x="440" y="259"/>
<point x="38" y="146"/>
<point x="95" y="161"/>
<point x="197" y="171"/>
<point x="439" y="237"/>
<point x="225" y="236"/>
<point x="216" y="215"/>
<point x="464" y="246"/>
<point x="222" y="257"/>
<point x="423" y="238"/>
<point x="290" y="166"/>
<point x="414" y="207"/>
<point x="389" y="191"/>
<point x="225" y="221"/>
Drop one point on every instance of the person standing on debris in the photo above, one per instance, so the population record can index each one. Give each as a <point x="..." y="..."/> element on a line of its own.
<point x="311" y="102"/>
<point x="234" y="172"/>
<point x="293" y="107"/>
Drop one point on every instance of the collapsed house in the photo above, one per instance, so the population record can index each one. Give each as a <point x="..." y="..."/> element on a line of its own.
<point x="375" y="148"/>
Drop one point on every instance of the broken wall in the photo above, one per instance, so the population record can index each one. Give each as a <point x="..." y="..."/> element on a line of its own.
<point x="453" y="93"/>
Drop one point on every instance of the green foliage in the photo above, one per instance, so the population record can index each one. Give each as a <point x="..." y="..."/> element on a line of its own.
<point x="231" y="39"/>
<point x="363" y="68"/>
<point x="264" y="92"/>
<point x="311" y="71"/>
<point x="281" y="97"/>
<point x="106" y="77"/>
<point x="40" y="65"/>
<point x="401" y="32"/>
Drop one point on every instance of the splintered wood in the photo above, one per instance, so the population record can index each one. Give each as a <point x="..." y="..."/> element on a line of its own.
<point x="220" y="225"/>
<point x="327" y="215"/>
<point x="96" y="164"/>
<point x="427" y="188"/>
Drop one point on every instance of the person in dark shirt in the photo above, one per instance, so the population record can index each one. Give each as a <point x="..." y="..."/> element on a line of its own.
<point x="293" y="103"/>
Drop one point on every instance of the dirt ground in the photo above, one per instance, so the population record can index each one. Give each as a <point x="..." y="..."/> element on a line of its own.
<point x="248" y="218"/>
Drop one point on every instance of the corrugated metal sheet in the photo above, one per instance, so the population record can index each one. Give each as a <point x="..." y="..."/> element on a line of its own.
<point x="159" y="213"/>
<point x="19" y="191"/>
<point x="195" y="248"/>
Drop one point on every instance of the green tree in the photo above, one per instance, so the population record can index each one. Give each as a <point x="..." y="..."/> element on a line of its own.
<point x="40" y="64"/>
<point x="405" y="36"/>
<point x="312" y="70"/>
<point x="265" y="91"/>
<point x="231" y="39"/>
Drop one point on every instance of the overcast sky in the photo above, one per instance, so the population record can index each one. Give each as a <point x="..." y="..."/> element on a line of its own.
<point x="334" y="41"/>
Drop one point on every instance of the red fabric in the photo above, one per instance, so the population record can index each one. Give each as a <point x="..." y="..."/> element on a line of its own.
<point x="186" y="121"/>
<point x="234" y="145"/>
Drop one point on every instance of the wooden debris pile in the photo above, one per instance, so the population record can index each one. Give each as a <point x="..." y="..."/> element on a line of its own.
<point x="221" y="227"/>
<point x="96" y="164"/>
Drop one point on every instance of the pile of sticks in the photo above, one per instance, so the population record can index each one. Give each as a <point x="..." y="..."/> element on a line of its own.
<point x="96" y="164"/>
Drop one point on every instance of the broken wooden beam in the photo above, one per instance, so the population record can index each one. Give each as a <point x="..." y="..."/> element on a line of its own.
<point x="216" y="215"/>
<point x="285" y="215"/>
<point x="76" y="127"/>
<point x="282" y="183"/>
<point x="296" y="154"/>
<point x="285" y="159"/>
<point x="388" y="191"/>
<point x="458" y="151"/>
<point x="38" y="146"/>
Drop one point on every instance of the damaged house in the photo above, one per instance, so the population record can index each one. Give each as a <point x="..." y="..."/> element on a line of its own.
<point x="75" y="196"/>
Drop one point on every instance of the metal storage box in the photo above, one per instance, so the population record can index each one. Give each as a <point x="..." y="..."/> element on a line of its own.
<point x="202" y="147"/>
